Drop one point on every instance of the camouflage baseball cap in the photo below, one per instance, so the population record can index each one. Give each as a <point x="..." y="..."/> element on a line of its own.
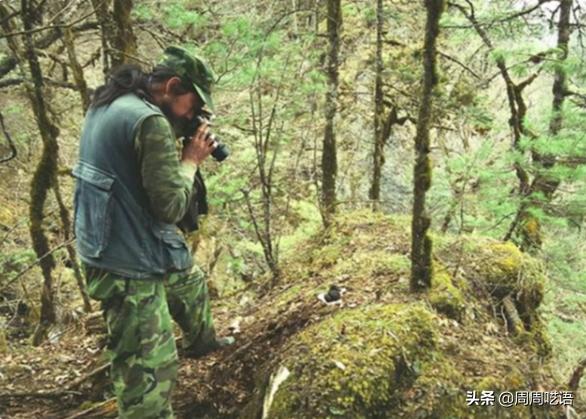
<point x="192" y="68"/>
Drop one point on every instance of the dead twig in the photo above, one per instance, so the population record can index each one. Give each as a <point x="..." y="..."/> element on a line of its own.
<point x="32" y="265"/>
<point x="577" y="376"/>
<point x="108" y="406"/>
<point x="48" y="27"/>
<point x="38" y="395"/>
<point x="53" y="394"/>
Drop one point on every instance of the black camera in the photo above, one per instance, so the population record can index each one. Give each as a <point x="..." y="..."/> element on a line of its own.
<point x="188" y="128"/>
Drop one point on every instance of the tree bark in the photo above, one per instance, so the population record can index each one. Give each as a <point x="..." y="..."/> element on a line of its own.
<point x="329" y="155"/>
<point x="106" y="32"/>
<point x="123" y="46"/>
<point x="76" y="69"/>
<point x="544" y="184"/>
<point x="421" y="262"/>
<point x="379" y="140"/>
<point x="43" y="178"/>
<point x="9" y="63"/>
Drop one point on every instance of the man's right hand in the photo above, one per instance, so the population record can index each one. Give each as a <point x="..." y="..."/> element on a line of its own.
<point x="199" y="146"/>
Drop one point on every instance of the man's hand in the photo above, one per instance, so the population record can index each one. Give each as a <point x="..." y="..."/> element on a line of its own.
<point x="199" y="147"/>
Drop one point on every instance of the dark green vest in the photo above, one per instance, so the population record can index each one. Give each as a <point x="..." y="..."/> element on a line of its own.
<point x="113" y="226"/>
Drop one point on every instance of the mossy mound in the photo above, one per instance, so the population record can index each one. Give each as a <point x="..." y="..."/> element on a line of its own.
<point x="384" y="351"/>
<point x="446" y="297"/>
<point x="505" y="270"/>
<point x="355" y="362"/>
<point x="385" y="361"/>
<point x="498" y="270"/>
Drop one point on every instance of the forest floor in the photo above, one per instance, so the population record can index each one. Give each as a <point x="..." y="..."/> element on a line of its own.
<point x="66" y="377"/>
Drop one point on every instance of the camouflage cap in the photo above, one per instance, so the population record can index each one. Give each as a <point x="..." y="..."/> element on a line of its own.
<point x="191" y="68"/>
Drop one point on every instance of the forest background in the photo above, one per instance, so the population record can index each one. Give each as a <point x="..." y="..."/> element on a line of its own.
<point x="320" y="119"/>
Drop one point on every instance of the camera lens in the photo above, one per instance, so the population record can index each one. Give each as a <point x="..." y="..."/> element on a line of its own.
<point x="220" y="152"/>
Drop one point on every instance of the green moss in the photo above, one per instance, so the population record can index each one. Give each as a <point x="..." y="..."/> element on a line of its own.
<point x="327" y="256"/>
<point x="288" y="295"/>
<point x="444" y="296"/>
<point x="506" y="270"/>
<point x="536" y="339"/>
<point x="393" y="356"/>
<point x="373" y="264"/>
<point x="501" y="269"/>
<point x="354" y="363"/>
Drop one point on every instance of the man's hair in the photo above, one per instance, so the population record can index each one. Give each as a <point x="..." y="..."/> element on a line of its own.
<point x="129" y="78"/>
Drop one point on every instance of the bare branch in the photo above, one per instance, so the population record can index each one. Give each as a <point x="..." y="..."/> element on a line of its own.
<point x="461" y="64"/>
<point x="50" y="82"/>
<point x="49" y="27"/>
<point x="504" y="19"/>
<point x="9" y="63"/>
<point x="32" y="265"/>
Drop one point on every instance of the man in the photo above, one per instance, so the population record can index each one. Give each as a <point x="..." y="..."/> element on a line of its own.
<point x="131" y="190"/>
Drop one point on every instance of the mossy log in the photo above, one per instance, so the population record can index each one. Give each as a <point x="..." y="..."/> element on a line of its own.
<point x="514" y="321"/>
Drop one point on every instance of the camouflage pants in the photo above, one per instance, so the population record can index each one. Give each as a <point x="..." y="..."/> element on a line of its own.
<point x="141" y="344"/>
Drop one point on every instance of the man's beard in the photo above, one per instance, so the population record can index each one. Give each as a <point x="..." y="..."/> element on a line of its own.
<point x="179" y="125"/>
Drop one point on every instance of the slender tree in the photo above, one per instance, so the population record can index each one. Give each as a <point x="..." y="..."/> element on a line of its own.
<point x="421" y="263"/>
<point x="123" y="47"/>
<point x="77" y="70"/>
<point x="103" y="17"/>
<point x="45" y="173"/>
<point x="544" y="184"/>
<point x="525" y="225"/>
<point x="329" y="159"/>
<point x="379" y="140"/>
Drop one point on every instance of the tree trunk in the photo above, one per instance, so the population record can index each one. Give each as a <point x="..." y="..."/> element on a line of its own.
<point x="379" y="140"/>
<point x="544" y="184"/>
<point x="46" y="168"/>
<point x="329" y="159"/>
<point x="66" y="223"/>
<point x="76" y="68"/>
<point x="106" y="32"/>
<point x="43" y="179"/>
<point x="421" y="263"/>
<point x="123" y="47"/>
<point x="518" y="110"/>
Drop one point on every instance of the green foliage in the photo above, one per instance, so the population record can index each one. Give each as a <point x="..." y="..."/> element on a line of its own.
<point x="143" y="12"/>
<point x="386" y="352"/>
<point x="270" y="64"/>
<point x="178" y="16"/>
<point x="15" y="261"/>
<point x="15" y="109"/>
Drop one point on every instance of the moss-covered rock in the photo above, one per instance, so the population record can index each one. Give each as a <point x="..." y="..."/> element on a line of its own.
<point x="384" y="361"/>
<point x="386" y="352"/>
<point x="506" y="270"/>
<point x="355" y="363"/>
<point x="444" y="296"/>
<point x="377" y="263"/>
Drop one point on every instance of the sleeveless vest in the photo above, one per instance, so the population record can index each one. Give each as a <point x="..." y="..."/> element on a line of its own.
<point x="113" y="226"/>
